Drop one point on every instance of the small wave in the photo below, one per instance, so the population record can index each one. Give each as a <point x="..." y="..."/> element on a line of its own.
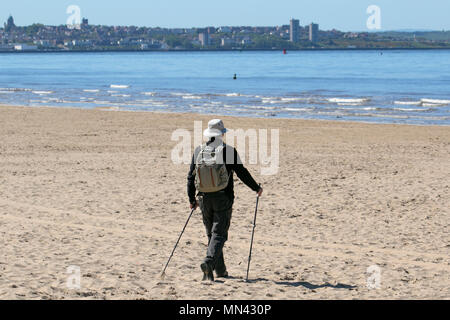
<point x="91" y="90"/>
<point x="42" y="92"/>
<point x="349" y="104"/>
<point x="121" y="95"/>
<point x="260" y="107"/>
<point x="410" y="109"/>
<point x="14" y="89"/>
<point x="297" y="109"/>
<point x="380" y="115"/>
<point x="101" y="102"/>
<point x="358" y="109"/>
<point x="433" y="105"/>
<point x="119" y="86"/>
<point x="353" y="100"/>
<point x="149" y="93"/>
<point x="191" y="97"/>
<point x="271" y="101"/>
<point x="294" y="99"/>
<point x="435" y="101"/>
<point x="233" y="94"/>
<point x="408" y="103"/>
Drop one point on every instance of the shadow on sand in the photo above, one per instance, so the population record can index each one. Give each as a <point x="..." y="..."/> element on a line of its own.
<point x="305" y="284"/>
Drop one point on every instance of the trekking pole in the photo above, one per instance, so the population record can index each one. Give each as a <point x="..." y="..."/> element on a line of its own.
<point x="253" y="232"/>
<point x="163" y="274"/>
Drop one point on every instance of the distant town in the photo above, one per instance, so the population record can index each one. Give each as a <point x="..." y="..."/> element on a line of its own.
<point x="292" y="36"/>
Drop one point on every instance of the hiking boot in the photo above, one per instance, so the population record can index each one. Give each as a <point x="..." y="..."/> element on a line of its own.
<point x="222" y="274"/>
<point x="207" y="271"/>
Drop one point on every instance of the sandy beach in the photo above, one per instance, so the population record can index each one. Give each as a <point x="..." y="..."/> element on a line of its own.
<point x="97" y="189"/>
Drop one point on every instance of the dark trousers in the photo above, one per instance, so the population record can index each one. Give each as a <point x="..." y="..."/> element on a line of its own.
<point x="216" y="211"/>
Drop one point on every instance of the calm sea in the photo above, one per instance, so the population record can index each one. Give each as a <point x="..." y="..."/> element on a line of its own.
<point x="411" y="86"/>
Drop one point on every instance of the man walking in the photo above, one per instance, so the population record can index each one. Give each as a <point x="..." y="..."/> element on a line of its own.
<point x="211" y="174"/>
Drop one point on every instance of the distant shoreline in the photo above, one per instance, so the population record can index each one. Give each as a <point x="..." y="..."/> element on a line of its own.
<point x="221" y="50"/>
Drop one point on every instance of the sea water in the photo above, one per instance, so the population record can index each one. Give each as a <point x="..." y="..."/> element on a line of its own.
<point x="393" y="86"/>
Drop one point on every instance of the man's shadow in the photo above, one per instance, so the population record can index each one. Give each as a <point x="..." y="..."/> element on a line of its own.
<point x="311" y="286"/>
<point x="306" y="284"/>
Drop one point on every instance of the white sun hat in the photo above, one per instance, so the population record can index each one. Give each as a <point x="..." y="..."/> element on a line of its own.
<point x="215" y="129"/>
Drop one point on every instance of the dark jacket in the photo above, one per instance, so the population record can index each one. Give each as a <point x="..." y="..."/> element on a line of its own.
<point x="232" y="167"/>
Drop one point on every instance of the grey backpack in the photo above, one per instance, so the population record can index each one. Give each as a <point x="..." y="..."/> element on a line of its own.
<point x="211" y="174"/>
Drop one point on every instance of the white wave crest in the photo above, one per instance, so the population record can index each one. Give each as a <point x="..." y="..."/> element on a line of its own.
<point x="298" y="109"/>
<point x="349" y="103"/>
<point x="260" y="107"/>
<point x="353" y="100"/>
<point x="433" y="105"/>
<point x="42" y="92"/>
<point x="119" y="86"/>
<point x="435" y="101"/>
<point x="409" y="109"/>
<point x="191" y="97"/>
<point x="91" y="90"/>
<point x="408" y="103"/>
<point x="14" y="89"/>
<point x="294" y="99"/>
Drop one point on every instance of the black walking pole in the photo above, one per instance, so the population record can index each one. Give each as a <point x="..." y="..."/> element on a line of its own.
<point x="176" y="244"/>
<point x="253" y="232"/>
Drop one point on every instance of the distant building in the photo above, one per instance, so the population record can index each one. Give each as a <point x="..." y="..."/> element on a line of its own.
<point x="44" y="43"/>
<point x="203" y="37"/>
<point x="246" y="41"/>
<point x="313" y="32"/>
<point x="6" y="47"/>
<point x="294" y="30"/>
<point x="177" y="31"/>
<point x="9" y="25"/>
<point x="189" y="31"/>
<point x="211" y="30"/>
<point x="85" y="22"/>
<point x="227" y="42"/>
<point x="24" y="47"/>
<point x="225" y="29"/>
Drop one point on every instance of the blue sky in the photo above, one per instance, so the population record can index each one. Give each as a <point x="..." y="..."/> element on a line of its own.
<point x="346" y="15"/>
